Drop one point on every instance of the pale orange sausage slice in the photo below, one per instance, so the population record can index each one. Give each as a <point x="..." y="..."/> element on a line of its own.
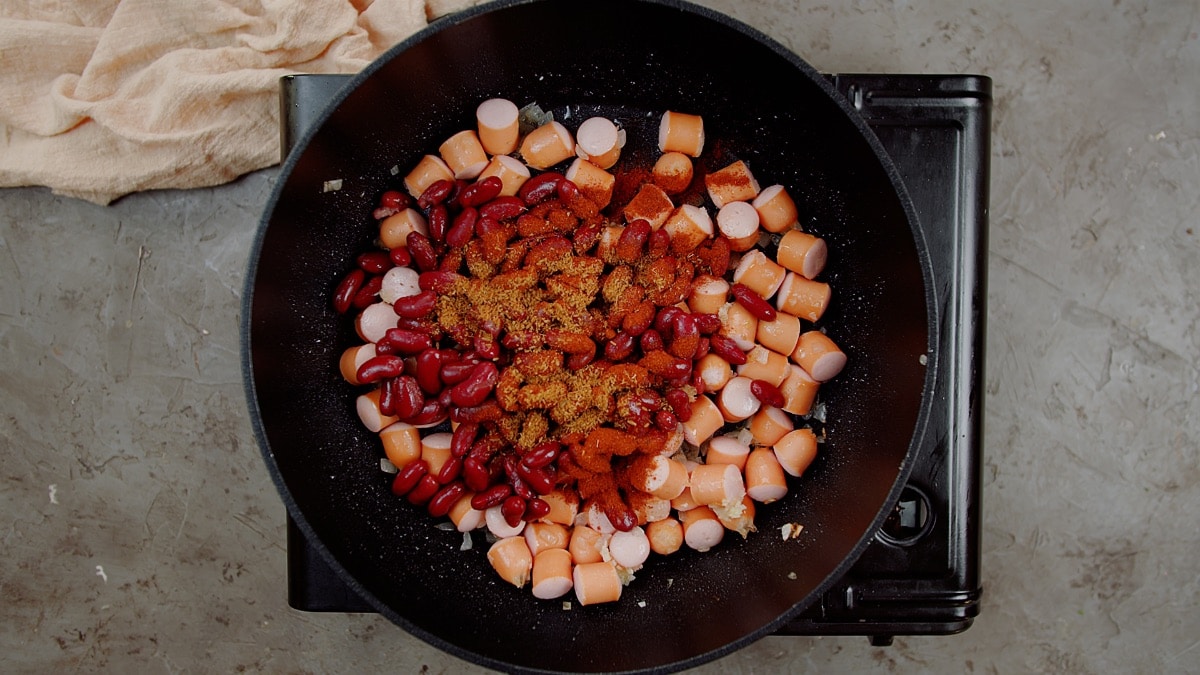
<point x="464" y="154"/>
<point x="743" y="521"/>
<point x="717" y="484"/>
<point x="585" y="545"/>
<point x="799" y="391"/>
<point x="428" y="171"/>
<point x="796" y="451"/>
<point x="464" y="516"/>
<point x="681" y="132"/>
<point x="819" y="356"/>
<point x="651" y="204"/>
<point x="373" y="323"/>
<point x="599" y="141"/>
<point x="542" y="536"/>
<point x="705" y="420"/>
<point x="733" y="183"/>
<point x="393" y="230"/>
<point x="765" y="480"/>
<point x="735" y="401"/>
<point x="709" y="294"/>
<point x="511" y="559"/>
<point x="401" y="443"/>
<point x="760" y="273"/>
<point x="689" y="226"/>
<point x="629" y="549"/>
<point x="596" y="582"/>
<point x="770" y="424"/>
<point x="673" y="172"/>
<point x="738" y="324"/>
<point x="660" y="476"/>
<point x="738" y="222"/>
<point x="595" y="183"/>
<point x="552" y="574"/>
<point x="714" y="371"/>
<point x="511" y="172"/>
<point x="369" y="413"/>
<point x="802" y="253"/>
<point x="727" y="450"/>
<point x="547" y="145"/>
<point x="805" y="298"/>
<point x="352" y="358"/>
<point x="780" y="335"/>
<point x="499" y="129"/>
<point x="776" y="210"/>
<point x="435" y="450"/>
<point x="764" y="364"/>
<point x="702" y="530"/>
<point x="666" y="536"/>
<point x="564" y="506"/>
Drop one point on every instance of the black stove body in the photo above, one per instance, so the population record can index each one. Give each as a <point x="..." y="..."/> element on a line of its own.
<point x="920" y="574"/>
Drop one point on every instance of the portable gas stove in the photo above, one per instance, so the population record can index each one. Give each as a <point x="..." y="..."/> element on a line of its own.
<point x="920" y="573"/>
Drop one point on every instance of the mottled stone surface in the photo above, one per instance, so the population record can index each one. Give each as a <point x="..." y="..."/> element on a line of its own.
<point x="141" y="532"/>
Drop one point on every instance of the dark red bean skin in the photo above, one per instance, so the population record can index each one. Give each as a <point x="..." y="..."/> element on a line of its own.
<point x="665" y="420"/>
<point x="633" y="240"/>
<point x="346" y="289"/>
<point x="453" y="373"/>
<point x="387" y="397"/>
<point x="407" y="400"/>
<point x="685" y="336"/>
<point x="481" y="192"/>
<point x="664" y="321"/>
<point x="658" y="243"/>
<point x="406" y="479"/>
<point x="438" y="281"/>
<point x="727" y="349"/>
<point x="536" y="509"/>
<point x="405" y="341"/>
<point x="513" y="508"/>
<point x="422" y="252"/>
<point x="438" y="222"/>
<point x="416" y="306"/>
<point x="538" y="480"/>
<point x="488" y="411"/>
<point x="450" y="470"/>
<point x="540" y="188"/>
<point x="502" y="208"/>
<point x="753" y="302"/>
<point x="428" y="368"/>
<point x="522" y="340"/>
<point x="368" y="294"/>
<point x="707" y="323"/>
<point x="441" y="503"/>
<point x="702" y="348"/>
<point x="377" y="368"/>
<point x="463" y="229"/>
<point x="430" y="413"/>
<point x="486" y="347"/>
<point x="621" y="516"/>
<point x="462" y="438"/>
<point x="400" y="256"/>
<point x="620" y="347"/>
<point x="475" y="474"/>
<point x="768" y="393"/>
<point x="425" y="489"/>
<point x="437" y="192"/>
<point x="393" y="199"/>
<point x="680" y="405"/>
<point x="489" y="497"/>
<point x="567" y="191"/>
<point x="541" y="454"/>
<point x="374" y="262"/>
<point x="650" y="341"/>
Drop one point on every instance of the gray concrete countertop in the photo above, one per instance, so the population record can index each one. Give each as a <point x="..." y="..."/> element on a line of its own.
<point x="141" y="532"/>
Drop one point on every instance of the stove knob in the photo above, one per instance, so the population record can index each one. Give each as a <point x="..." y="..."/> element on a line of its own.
<point x="909" y="521"/>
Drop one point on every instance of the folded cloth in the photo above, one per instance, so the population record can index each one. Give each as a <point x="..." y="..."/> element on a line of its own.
<point x="102" y="98"/>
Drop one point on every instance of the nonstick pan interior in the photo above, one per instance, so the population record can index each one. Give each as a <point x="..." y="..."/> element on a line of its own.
<point x="629" y="61"/>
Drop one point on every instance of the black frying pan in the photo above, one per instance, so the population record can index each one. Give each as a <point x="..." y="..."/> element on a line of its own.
<point x="629" y="61"/>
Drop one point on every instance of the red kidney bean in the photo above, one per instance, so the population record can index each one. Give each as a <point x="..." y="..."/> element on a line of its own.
<point x="450" y="470"/>
<point x="441" y="503"/>
<point x="768" y="393"/>
<point x="536" y="509"/>
<point x="677" y="369"/>
<point x="488" y="411"/>
<point x="542" y="454"/>
<point x="377" y="368"/>
<point x="481" y="192"/>
<point x="707" y="323"/>
<point x="473" y="390"/>
<point x="680" y="404"/>
<point x="438" y="281"/>
<point x="406" y="341"/>
<point x="463" y="229"/>
<point x="512" y="508"/>
<point x="727" y="349"/>
<point x="577" y="361"/>
<point x="425" y="489"/>
<point x="416" y="306"/>
<point x="427" y="368"/>
<point x="619" y="347"/>
<point x="685" y="336"/>
<point x="438" y="222"/>
<point x="538" y="480"/>
<point x="665" y="420"/>
<point x="400" y="256"/>
<point x="453" y="372"/>
<point x="633" y="240"/>
<point x="456" y="193"/>
<point x="658" y="243"/>
<point x="475" y="474"/>
<point x="570" y="342"/>
<point x="539" y="188"/>
<point x="522" y="340"/>
<point x="462" y="438"/>
<point x="568" y="192"/>
<point x="492" y="496"/>
<point x="486" y="347"/>
<point x="408" y="477"/>
<point x="486" y="448"/>
<point x="620" y="515"/>
<point x="346" y="289"/>
<point x="387" y="397"/>
<point x="437" y="192"/>
<point x="408" y="400"/>
<point x="753" y="302"/>
<point x="443" y="398"/>
<point x="502" y="208"/>
<point x="422" y="251"/>
<point x="636" y="323"/>
<point x="394" y="199"/>
<point x="585" y="237"/>
<point x="374" y="262"/>
<point x="702" y="349"/>
<point x="490" y="327"/>
<point x="650" y="341"/>
<point x="368" y="294"/>
<point x="719" y="257"/>
<point x="664" y="321"/>
<point x="431" y="412"/>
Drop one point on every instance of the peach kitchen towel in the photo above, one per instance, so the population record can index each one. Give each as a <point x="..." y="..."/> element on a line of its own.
<point x="101" y="98"/>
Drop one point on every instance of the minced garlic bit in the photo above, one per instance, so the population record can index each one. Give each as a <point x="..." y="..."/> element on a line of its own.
<point x="332" y="185"/>
<point x="386" y="466"/>
<point x="791" y="575"/>
<point x="566" y="605"/>
<point x="924" y="359"/>
<point x="791" y="530"/>
<point x="467" y="542"/>
<point x="641" y="603"/>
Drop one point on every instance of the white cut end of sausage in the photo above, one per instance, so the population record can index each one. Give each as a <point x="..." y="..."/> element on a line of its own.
<point x="376" y="320"/>
<point x="368" y="412"/>
<point x="699" y="216"/>
<point x="654" y="509"/>
<point x="597" y="135"/>
<point x="472" y="519"/>
<point x="737" y="399"/>
<point x="767" y="492"/>
<point x="629" y="549"/>
<point x="827" y="366"/>
<point x="727" y="450"/>
<point x="704" y="534"/>
<point x="814" y="260"/>
<point x="498" y="526"/>
<point x="497" y="113"/>
<point x="399" y="282"/>
<point x="554" y="587"/>
<point x="657" y="475"/>
<point x="737" y="220"/>
<point x="513" y="164"/>
<point x="597" y="520"/>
